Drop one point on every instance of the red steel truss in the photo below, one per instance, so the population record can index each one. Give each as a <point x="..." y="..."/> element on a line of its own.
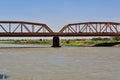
<point x="30" y="29"/>
<point x="21" y="28"/>
<point x="92" y="29"/>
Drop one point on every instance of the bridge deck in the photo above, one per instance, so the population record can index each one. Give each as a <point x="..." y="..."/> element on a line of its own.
<point x="56" y="34"/>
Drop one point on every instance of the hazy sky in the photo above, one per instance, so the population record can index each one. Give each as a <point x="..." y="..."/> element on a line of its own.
<point x="57" y="13"/>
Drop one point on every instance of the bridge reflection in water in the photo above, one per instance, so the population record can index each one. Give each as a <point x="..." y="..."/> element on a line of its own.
<point x="31" y="29"/>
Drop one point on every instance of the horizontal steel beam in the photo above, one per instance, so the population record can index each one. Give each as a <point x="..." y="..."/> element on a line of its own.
<point x="23" y="22"/>
<point x="116" y="23"/>
<point x="56" y="34"/>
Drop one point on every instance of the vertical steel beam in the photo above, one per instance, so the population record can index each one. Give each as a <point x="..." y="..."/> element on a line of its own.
<point x="32" y="28"/>
<point x="21" y="27"/>
<point x="9" y="27"/>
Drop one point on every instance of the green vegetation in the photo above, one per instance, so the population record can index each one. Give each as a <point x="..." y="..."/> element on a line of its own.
<point x="116" y="38"/>
<point x="90" y="42"/>
<point x="75" y="42"/>
<point x="43" y="42"/>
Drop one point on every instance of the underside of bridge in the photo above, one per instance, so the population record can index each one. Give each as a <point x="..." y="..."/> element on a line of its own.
<point x="31" y="29"/>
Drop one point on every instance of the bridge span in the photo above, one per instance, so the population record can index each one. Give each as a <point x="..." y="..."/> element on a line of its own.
<point x="31" y="29"/>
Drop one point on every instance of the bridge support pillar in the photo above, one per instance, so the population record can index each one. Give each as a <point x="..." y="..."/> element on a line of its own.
<point x="56" y="41"/>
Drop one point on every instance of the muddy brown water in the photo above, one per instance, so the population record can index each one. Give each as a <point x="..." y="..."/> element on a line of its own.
<point x="66" y="63"/>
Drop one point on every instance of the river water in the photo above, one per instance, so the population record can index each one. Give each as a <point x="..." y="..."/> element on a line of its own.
<point x="65" y="63"/>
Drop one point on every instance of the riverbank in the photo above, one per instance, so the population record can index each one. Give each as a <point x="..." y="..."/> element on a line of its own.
<point x="75" y="42"/>
<point x="90" y="43"/>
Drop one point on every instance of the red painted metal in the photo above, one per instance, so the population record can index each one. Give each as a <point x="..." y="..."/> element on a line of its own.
<point x="91" y="27"/>
<point x="21" y="26"/>
<point x="31" y="29"/>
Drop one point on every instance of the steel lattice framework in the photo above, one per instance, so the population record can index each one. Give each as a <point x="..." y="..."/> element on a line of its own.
<point x="31" y="29"/>
<point x="92" y="29"/>
<point x="21" y="28"/>
<point x="24" y="27"/>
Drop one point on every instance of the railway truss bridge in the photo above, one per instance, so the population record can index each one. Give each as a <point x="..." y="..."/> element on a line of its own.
<point x="31" y="29"/>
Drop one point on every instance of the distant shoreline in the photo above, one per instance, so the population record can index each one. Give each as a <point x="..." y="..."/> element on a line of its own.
<point x="78" y="43"/>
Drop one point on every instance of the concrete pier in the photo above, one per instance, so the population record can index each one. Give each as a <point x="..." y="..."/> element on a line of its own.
<point x="56" y="42"/>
